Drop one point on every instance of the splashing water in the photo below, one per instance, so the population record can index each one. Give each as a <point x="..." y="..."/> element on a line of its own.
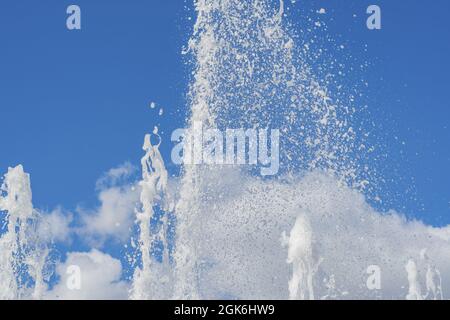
<point x="433" y="278"/>
<point x="414" y="285"/>
<point x="230" y="240"/>
<point x="246" y="76"/>
<point x="300" y="256"/>
<point x="249" y="73"/>
<point x="22" y="255"/>
<point x="150" y="281"/>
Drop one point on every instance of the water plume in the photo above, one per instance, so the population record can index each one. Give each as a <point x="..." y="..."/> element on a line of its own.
<point x="300" y="256"/>
<point x="250" y="70"/>
<point x="247" y="75"/>
<point x="23" y="255"/>
<point x="151" y="279"/>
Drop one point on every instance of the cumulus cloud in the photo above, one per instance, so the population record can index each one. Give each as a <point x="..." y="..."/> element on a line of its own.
<point x="114" y="217"/>
<point x="100" y="278"/>
<point x="55" y="226"/>
<point x="116" y="176"/>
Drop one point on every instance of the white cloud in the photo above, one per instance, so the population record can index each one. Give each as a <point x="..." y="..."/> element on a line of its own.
<point x="100" y="278"/>
<point x="113" y="219"/>
<point x="115" y="176"/>
<point x="55" y="226"/>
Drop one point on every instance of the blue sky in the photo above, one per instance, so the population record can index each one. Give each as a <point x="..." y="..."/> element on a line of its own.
<point x="74" y="104"/>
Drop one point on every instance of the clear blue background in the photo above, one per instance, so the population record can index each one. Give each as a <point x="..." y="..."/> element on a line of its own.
<point x="74" y="104"/>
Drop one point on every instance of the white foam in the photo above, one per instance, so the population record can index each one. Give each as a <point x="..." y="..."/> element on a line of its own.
<point x="150" y="279"/>
<point x="22" y="253"/>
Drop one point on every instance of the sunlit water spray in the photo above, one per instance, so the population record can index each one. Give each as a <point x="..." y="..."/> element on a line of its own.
<point x="307" y="233"/>
<point x="232" y="225"/>
<point x="22" y="254"/>
<point x="151" y="280"/>
<point x="246" y="76"/>
<point x="300" y="256"/>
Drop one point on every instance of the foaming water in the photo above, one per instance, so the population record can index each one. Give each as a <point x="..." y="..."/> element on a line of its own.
<point x="300" y="256"/>
<point x="22" y="254"/>
<point x="151" y="279"/>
